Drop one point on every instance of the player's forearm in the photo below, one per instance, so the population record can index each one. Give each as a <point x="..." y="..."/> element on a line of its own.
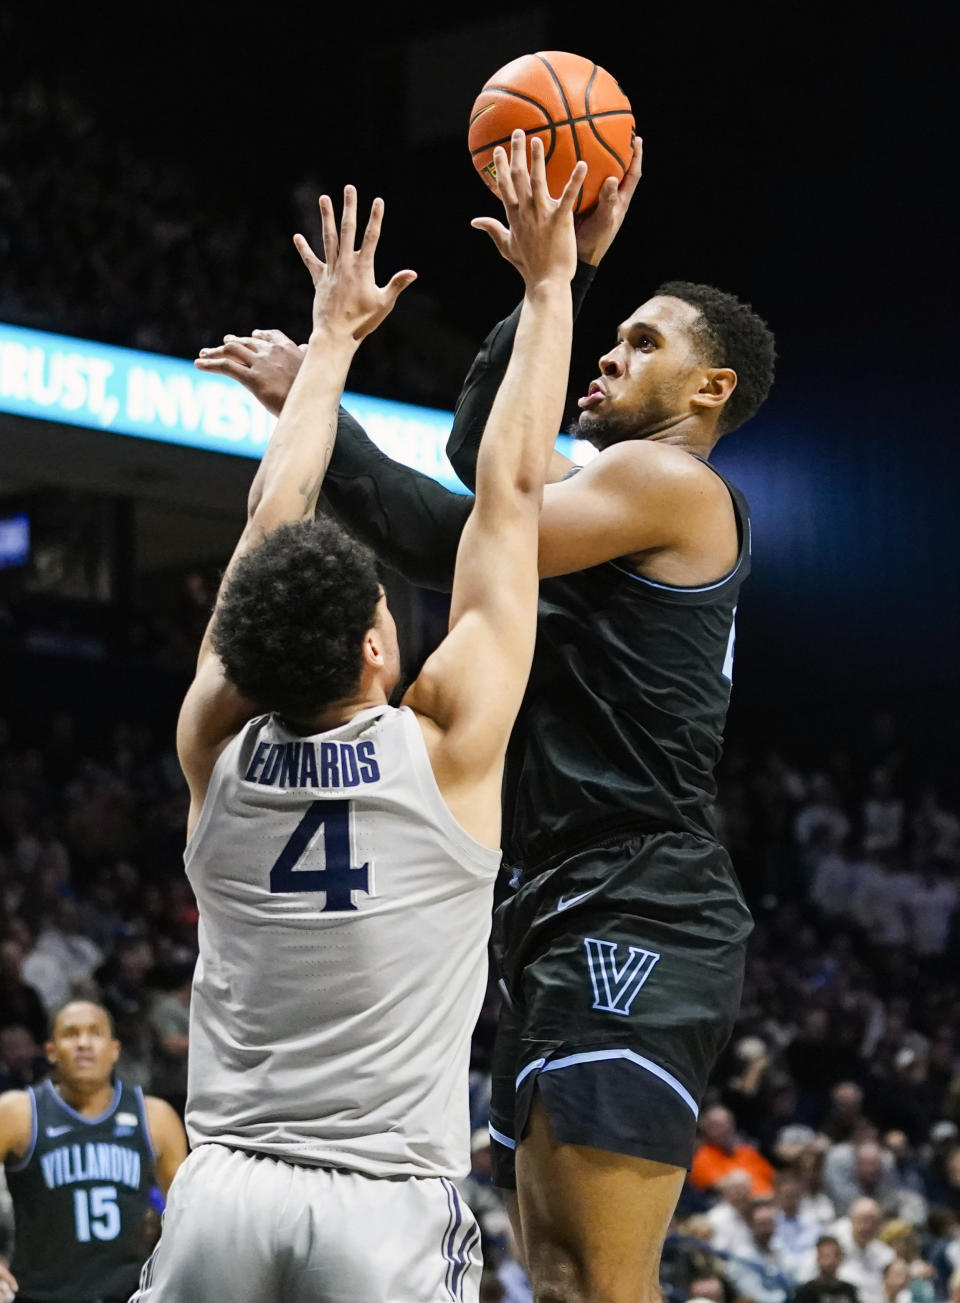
<point x="518" y="439"/>
<point x="483" y="379"/>
<point x="288" y="482"/>
<point x="410" y="521"/>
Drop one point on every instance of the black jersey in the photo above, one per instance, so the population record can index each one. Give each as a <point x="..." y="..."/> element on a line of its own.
<point x="622" y="722"/>
<point x="80" y="1199"/>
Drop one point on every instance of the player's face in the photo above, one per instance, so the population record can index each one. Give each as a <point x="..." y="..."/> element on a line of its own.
<point x="82" y="1047"/>
<point x="648" y="378"/>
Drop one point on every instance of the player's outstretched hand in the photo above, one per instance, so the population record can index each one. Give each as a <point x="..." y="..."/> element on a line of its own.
<point x="265" y="362"/>
<point x="597" y="230"/>
<point x="346" y="296"/>
<point x="540" y="240"/>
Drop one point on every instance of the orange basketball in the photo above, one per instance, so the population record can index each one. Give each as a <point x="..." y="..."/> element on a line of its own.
<point x="572" y="104"/>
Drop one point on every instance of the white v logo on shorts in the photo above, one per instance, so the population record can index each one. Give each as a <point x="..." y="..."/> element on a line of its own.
<point x="615" y="988"/>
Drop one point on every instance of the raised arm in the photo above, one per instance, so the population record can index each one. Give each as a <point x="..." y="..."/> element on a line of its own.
<point x="469" y="691"/>
<point x="347" y="306"/>
<point x="411" y="522"/>
<point x="595" y="232"/>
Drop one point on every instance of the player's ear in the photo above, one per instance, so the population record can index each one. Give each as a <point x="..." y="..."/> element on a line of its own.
<point x="115" y="1048"/>
<point x="373" y="647"/>
<point x="716" y="387"/>
<point x="50" y="1050"/>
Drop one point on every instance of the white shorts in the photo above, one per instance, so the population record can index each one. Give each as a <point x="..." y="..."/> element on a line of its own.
<point x="245" y="1228"/>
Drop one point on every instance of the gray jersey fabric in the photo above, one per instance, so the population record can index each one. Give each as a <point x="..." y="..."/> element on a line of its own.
<point x="344" y="917"/>
<point x="242" y="1228"/>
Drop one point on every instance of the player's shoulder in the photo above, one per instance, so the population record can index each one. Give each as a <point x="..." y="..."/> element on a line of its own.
<point x="16" y="1122"/>
<point x="646" y="463"/>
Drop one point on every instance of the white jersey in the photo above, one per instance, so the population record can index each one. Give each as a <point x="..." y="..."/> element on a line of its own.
<point x="344" y="917"/>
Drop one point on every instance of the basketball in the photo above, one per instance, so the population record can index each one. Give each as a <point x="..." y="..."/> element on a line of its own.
<point x="571" y="103"/>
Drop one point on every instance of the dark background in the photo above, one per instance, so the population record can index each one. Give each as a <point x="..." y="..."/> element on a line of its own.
<point x="796" y="155"/>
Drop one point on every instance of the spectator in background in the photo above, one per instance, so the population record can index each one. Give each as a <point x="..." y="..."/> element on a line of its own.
<point x="21" y="1059"/>
<point x="939" y="1186"/>
<point x="822" y="813"/>
<point x="845" y="1117"/>
<point x="815" y="1061"/>
<point x="760" y="1273"/>
<point x="708" y="1287"/>
<point x="903" y="1239"/>
<point x="865" y="1255"/>
<point x="931" y="905"/>
<point x="896" y="1282"/>
<point x="857" y="1171"/>
<point x="882" y="814"/>
<point x="827" y="1286"/>
<point x="797" y="1231"/>
<point x="729" y="1217"/>
<point x="808" y="1166"/>
<point x="721" y="1151"/>
<point x="63" y="958"/>
<point x="19" y="1001"/>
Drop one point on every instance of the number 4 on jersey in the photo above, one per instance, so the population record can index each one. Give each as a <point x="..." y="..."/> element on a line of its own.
<point x="338" y="878"/>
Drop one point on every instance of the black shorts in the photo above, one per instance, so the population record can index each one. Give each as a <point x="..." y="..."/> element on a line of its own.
<point x="622" y="967"/>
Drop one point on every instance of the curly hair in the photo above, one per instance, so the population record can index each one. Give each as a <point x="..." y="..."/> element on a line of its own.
<point x="290" y="620"/>
<point x="729" y="333"/>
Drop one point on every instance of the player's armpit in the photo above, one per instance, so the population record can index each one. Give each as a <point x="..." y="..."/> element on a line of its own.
<point x="167" y="1137"/>
<point x="16" y="1123"/>
<point x="636" y="496"/>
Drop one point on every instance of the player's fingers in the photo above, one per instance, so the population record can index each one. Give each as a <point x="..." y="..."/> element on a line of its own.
<point x="519" y="172"/>
<point x="372" y="233"/>
<point x="398" y="283"/>
<point x="496" y="230"/>
<point x="608" y="192"/>
<point x="633" y="173"/>
<point x="504" y="181"/>
<point x="223" y="366"/>
<point x="331" y="242"/>
<point x="348" y="220"/>
<point x="309" y="259"/>
<point x="272" y="336"/>
<point x="538" y="170"/>
<point x="230" y="348"/>
<point x="242" y="349"/>
<point x="572" y="188"/>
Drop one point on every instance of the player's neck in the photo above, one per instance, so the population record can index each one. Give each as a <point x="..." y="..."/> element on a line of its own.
<point x="91" y="1101"/>
<point x="341" y="712"/>
<point x="691" y="435"/>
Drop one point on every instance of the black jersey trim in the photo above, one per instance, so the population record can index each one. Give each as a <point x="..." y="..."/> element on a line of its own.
<point x="24" y="1162"/>
<point x="89" y="1122"/>
<point x="744" y="552"/>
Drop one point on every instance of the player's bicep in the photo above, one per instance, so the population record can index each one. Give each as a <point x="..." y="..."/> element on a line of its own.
<point x="212" y="713"/>
<point x="631" y="499"/>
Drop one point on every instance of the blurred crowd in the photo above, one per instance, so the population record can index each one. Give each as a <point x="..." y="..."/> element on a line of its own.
<point x="830" y="1154"/>
<point x="98" y="240"/>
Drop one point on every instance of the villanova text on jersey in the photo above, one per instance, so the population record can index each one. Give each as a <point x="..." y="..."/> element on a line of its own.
<point x="91" y="1161"/>
<point x="81" y="1196"/>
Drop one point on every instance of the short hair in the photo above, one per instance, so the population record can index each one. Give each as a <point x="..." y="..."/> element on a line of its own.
<point x="728" y="333"/>
<point x="830" y="1239"/>
<point x="292" y="615"/>
<point x="82" y="999"/>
